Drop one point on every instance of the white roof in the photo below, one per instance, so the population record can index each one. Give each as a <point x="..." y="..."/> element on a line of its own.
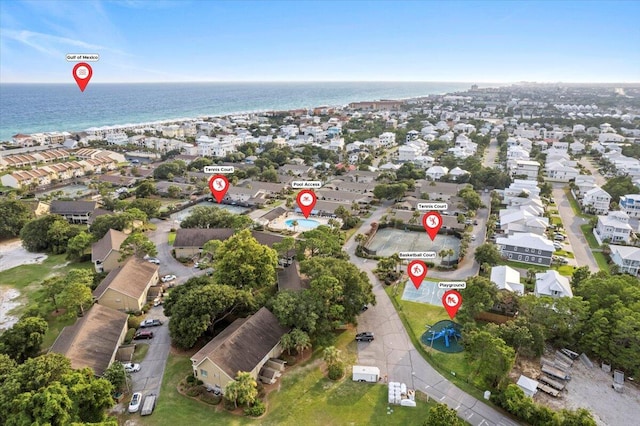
<point x="527" y="383"/>
<point x="596" y="191"/>
<point x="626" y="252"/>
<point x="552" y="281"/>
<point x="457" y="171"/>
<point x="527" y="239"/>
<point x="363" y="369"/>
<point x="506" y="278"/>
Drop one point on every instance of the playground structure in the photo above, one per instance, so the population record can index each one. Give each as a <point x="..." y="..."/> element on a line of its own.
<point x="447" y="333"/>
<point x="443" y="336"/>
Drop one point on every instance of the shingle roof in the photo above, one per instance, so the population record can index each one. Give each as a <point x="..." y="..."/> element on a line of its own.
<point x="243" y="344"/>
<point x="197" y="237"/>
<point x="130" y="279"/>
<point x="72" y="207"/>
<point x="93" y="339"/>
<point x="112" y="240"/>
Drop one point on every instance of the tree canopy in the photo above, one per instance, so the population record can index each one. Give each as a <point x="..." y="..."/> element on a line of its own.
<point x="23" y="340"/>
<point x="215" y="217"/>
<point x="49" y="233"/>
<point x="14" y="214"/>
<point x="138" y="245"/>
<point x="618" y="186"/>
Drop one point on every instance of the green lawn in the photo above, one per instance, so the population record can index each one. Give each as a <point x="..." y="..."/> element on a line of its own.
<point x="556" y="220"/>
<point x="601" y="261"/>
<point x="588" y="234"/>
<point x="566" y="270"/>
<point x="172" y="238"/>
<point x="140" y="352"/>
<point x="27" y="278"/>
<point x="304" y="396"/>
<point x="575" y="206"/>
<point x="564" y="253"/>
<point x="416" y="316"/>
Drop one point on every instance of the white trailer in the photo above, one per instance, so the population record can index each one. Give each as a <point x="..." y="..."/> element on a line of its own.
<point x="148" y="405"/>
<point x="363" y="373"/>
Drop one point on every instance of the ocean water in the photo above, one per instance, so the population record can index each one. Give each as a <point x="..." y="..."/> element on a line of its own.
<point x="31" y="108"/>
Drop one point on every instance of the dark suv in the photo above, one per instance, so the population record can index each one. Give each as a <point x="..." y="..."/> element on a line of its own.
<point x="367" y="336"/>
<point x="143" y="335"/>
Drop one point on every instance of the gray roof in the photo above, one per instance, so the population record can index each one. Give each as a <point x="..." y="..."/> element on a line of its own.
<point x="197" y="237"/>
<point x="243" y="344"/>
<point x="72" y="207"/>
<point x="131" y="279"/>
<point x="112" y="240"/>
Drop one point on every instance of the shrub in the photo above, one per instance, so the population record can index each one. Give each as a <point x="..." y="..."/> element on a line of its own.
<point x="195" y="391"/>
<point x="228" y="404"/>
<point x="134" y="322"/>
<point x="256" y="410"/>
<point x="129" y="336"/>
<point x="336" y="371"/>
<point x="199" y="382"/>
<point x="191" y="380"/>
<point x="209" y="398"/>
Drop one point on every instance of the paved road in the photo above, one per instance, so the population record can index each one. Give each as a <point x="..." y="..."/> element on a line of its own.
<point x="572" y="223"/>
<point x="397" y="358"/>
<point x="586" y="162"/>
<point x="149" y="378"/>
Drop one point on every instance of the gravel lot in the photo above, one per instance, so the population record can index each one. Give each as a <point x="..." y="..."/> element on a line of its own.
<point x="12" y="254"/>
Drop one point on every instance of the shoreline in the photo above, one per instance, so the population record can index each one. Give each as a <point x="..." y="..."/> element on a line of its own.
<point x="230" y="113"/>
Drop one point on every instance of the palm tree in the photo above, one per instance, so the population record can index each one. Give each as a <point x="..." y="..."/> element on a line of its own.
<point x="294" y="224"/>
<point x="301" y="340"/>
<point x="446" y="253"/>
<point x="360" y="239"/>
<point x="287" y="343"/>
<point x="331" y="355"/>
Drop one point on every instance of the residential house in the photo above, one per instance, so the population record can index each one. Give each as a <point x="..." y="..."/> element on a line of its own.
<point x="506" y="278"/>
<point x="526" y="247"/>
<point x="630" y="204"/>
<point x="387" y="139"/>
<point x="583" y="183"/>
<point x="577" y="147"/>
<point x="343" y="196"/>
<point x="361" y="176"/>
<point x="526" y="168"/>
<point x="551" y="283"/>
<point x="125" y="288"/>
<point x="519" y="220"/>
<point x="240" y="195"/>
<point x="105" y="253"/>
<point x="558" y="172"/>
<point x="596" y="201"/>
<point x="457" y="173"/>
<point x="93" y="340"/>
<point x="627" y="258"/>
<point x="613" y="228"/>
<point x="189" y="242"/>
<point x="244" y="346"/>
<point x="74" y="211"/>
<point x="436" y="172"/>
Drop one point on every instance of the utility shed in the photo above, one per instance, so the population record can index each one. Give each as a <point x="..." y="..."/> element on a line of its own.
<point x="528" y="386"/>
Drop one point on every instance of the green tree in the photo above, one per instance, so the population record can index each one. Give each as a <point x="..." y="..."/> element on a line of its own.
<point x="137" y="245"/>
<point x="492" y="357"/>
<point x="300" y="309"/>
<point x="52" y="288"/>
<point x="199" y="164"/>
<point x="487" y="253"/>
<point x="170" y="169"/>
<point x="14" y="214"/>
<point x="174" y="191"/>
<point x="618" y="186"/>
<point x="393" y="191"/>
<point x="116" y="375"/>
<point x="75" y="298"/>
<point x="46" y="233"/>
<point x="441" y="415"/>
<point x="479" y="295"/>
<point x="331" y="355"/>
<point x="215" y="217"/>
<point x="579" y="275"/>
<point x="231" y="265"/>
<point x="247" y="388"/>
<point x="102" y="224"/>
<point x="286" y="245"/>
<point x="23" y="340"/>
<point x="231" y="392"/>
<point x="470" y="198"/>
<point x="322" y="241"/>
<point x="301" y="340"/>
<point x="78" y="245"/>
<point x="146" y="189"/>
<point x="287" y="343"/>
<point x="149" y="206"/>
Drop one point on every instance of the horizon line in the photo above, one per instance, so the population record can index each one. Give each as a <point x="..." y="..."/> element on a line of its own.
<point x="332" y="81"/>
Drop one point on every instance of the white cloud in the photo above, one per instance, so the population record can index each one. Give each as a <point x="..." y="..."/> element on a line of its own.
<point x="53" y="45"/>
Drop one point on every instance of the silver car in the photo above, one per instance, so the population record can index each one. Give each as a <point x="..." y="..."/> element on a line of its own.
<point x="134" y="405"/>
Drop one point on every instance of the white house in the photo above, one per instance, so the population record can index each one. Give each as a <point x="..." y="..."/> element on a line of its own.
<point x="507" y="278"/>
<point x="387" y="139"/>
<point x="596" y="200"/>
<point x="425" y="161"/>
<point x="615" y="228"/>
<point x="610" y="137"/>
<point x="457" y="173"/>
<point x="436" y="172"/>
<point x="117" y="139"/>
<point x="559" y="172"/>
<point x="526" y="168"/>
<point x="577" y="147"/>
<point x="627" y="258"/>
<point x="551" y="283"/>
<point x="630" y="204"/>
<point x="409" y="152"/>
<point x="526" y="247"/>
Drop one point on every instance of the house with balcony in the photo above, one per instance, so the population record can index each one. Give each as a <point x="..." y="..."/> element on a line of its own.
<point x="630" y="204"/>
<point x="613" y="228"/>
<point x="627" y="258"/>
<point x="559" y="172"/>
<point x="436" y="172"/>
<point x="74" y="211"/>
<point x="527" y="168"/>
<point x="526" y="247"/>
<point x="596" y="201"/>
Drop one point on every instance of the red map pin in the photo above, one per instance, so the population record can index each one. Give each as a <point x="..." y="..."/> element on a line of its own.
<point x="219" y="185"/>
<point x="306" y="201"/>
<point x="451" y="300"/>
<point x="82" y="73"/>
<point x="417" y="270"/>
<point x="432" y="223"/>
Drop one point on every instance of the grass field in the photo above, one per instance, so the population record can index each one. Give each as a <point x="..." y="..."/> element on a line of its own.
<point x="172" y="238"/>
<point x="304" y="396"/>
<point x="556" y="220"/>
<point x="588" y="234"/>
<point x="601" y="261"/>
<point x="27" y="278"/>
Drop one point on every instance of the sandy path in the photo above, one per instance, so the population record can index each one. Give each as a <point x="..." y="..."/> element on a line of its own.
<point x="12" y="254"/>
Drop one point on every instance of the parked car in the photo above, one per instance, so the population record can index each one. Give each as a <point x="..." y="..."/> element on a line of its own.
<point x="134" y="405"/>
<point x="366" y="336"/>
<point x="557" y="245"/>
<point x="157" y="301"/>
<point x="150" y="323"/>
<point x="473" y="238"/>
<point x="168" y="278"/>
<point x="154" y="260"/>
<point x="130" y="367"/>
<point x="364" y="308"/>
<point x="558" y="237"/>
<point x="143" y="334"/>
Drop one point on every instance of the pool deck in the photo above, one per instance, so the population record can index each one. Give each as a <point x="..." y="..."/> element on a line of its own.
<point x="279" y="223"/>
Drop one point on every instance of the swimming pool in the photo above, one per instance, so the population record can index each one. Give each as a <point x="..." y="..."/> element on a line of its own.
<point x="302" y="223"/>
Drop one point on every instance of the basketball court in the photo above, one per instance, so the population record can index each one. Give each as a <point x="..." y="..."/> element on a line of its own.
<point x="427" y="293"/>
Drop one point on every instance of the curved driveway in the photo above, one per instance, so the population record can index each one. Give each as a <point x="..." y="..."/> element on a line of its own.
<point x="400" y="361"/>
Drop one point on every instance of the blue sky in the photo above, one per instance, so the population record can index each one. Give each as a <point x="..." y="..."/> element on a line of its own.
<point x="502" y="41"/>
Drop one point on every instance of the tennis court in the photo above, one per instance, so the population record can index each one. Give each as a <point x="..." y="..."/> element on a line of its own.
<point x="389" y="241"/>
<point x="427" y="293"/>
